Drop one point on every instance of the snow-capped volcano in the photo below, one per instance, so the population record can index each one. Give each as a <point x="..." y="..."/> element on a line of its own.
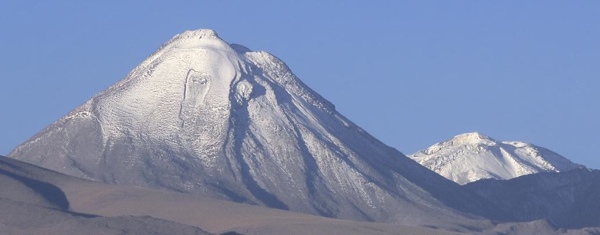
<point x="204" y="116"/>
<point x="473" y="156"/>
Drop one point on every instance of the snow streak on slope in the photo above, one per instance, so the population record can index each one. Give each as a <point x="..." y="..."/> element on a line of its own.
<point x="203" y="116"/>
<point x="472" y="156"/>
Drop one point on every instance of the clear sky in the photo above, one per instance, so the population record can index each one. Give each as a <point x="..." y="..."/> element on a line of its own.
<point x="411" y="73"/>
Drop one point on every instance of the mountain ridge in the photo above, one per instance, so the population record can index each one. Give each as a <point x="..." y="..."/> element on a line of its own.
<point x="568" y="199"/>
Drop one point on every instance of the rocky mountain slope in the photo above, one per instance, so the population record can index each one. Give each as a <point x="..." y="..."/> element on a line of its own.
<point x="473" y="156"/>
<point x="41" y="201"/>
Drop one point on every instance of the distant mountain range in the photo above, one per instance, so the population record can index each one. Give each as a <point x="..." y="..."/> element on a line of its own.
<point x="212" y="121"/>
<point x="473" y="156"/>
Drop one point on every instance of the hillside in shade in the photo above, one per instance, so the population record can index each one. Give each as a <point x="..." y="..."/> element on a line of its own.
<point x="567" y="199"/>
<point x="46" y="202"/>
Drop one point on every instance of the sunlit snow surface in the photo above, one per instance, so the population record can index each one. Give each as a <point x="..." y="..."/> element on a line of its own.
<point x="203" y="116"/>
<point x="473" y="156"/>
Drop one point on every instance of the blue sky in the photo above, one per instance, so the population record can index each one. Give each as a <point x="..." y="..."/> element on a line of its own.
<point x="412" y="73"/>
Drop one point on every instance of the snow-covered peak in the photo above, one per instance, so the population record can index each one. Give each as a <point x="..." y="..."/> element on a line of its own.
<point x="190" y="76"/>
<point x="472" y="156"/>
<point x="472" y="138"/>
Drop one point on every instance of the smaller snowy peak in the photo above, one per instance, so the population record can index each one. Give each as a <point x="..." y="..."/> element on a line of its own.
<point x="472" y="138"/>
<point x="473" y="156"/>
